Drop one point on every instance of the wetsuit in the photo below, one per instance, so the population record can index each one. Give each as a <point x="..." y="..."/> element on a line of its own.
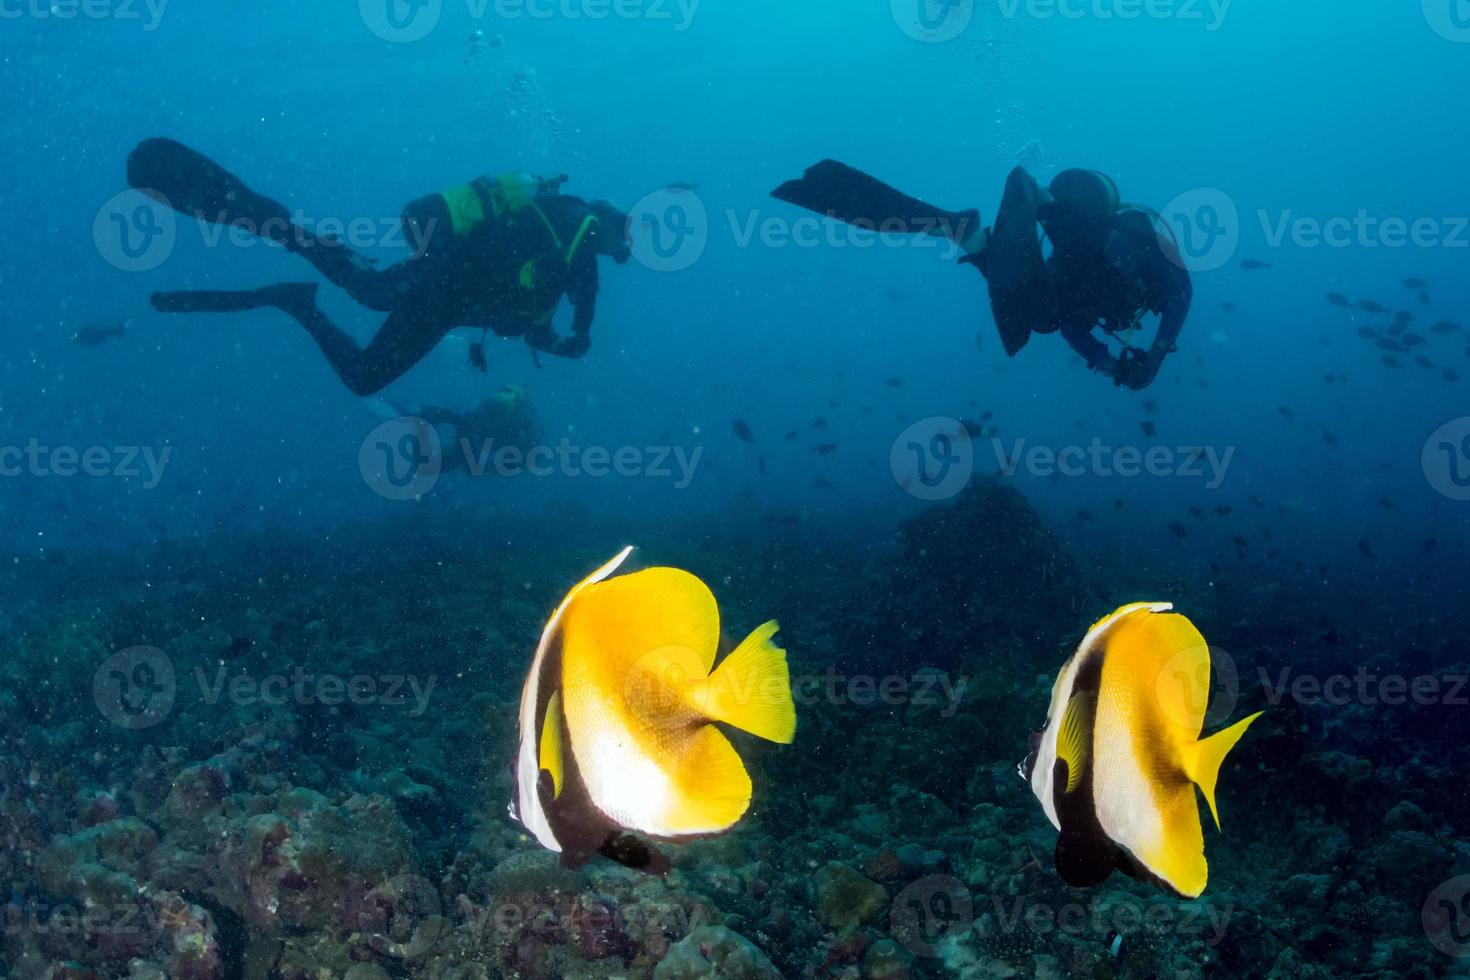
<point x="506" y="272"/>
<point x="1107" y="267"/>
<point x="1103" y="273"/>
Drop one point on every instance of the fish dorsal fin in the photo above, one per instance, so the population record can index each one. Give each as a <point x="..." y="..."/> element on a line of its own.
<point x="1202" y="761"/>
<point x="751" y="689"/>
<point x="552" y="755"/>
<point x="1074" y="739"/>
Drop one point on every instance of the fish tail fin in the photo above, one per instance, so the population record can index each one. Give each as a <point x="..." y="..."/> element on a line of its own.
<point x="751" y="689"/>
<point x="1203" y="760"/>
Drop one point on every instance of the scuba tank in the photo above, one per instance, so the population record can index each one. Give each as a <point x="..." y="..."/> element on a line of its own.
<point x="436" y="221"/>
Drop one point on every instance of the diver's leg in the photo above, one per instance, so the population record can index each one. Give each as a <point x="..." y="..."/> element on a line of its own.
<point x="1021" y="294"/>
<point x="838" y="191"/>
<point x="372" y="287"/>
<point x="404" y="340"/>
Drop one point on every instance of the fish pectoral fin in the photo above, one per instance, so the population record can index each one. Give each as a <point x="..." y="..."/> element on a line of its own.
<point x="1202" y="760"/>
<point x="552" y="755"/>
<point x="1085" y="860"/>
<point x="710" y="789"/>
<point x="751" y="689"/>
<point x="1074" y="739"/>
<point x="634" y="852"/>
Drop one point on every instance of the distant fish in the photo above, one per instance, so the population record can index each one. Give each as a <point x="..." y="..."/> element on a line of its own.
<point x="1424" y="362"/>
<point x="97" y="336"/>
<point x="1253" y="265"/>
<point x="1365" y="548"/>
<point x="1224" y="510"/>
<point x="1387" y="504"/>
<point x="791" y="436"/>
<point x="1389" y="344"/>
<point x="1286" y="413"/>
<point x="1367" y="333"/>
<point x="1240" y="542"/>
<point x="1118" y="504"/>
<point x="827" y="449"/>
<point x="1338" y="299"/>
<point x="1390" y="361"/>
<point x="1229" y="307"/>
<point x="1371" y="306"/>
<point x="1150" y="406"/>
<point x="1444" y="327"/>
<point x="1329" y="438"/>
<point x="1450" y="374"/>
<point x="1424" y="298"/>
<point x="1149" y="429"/>
<point x="1084" y="515"/>
<point x="1179" y="530"/>
<point x="742" y="431"/>
<point x="1197" y="511"/>
<point x="894" y="382"/>
<point x="819" y="423"/>
<point x="1414" y="283"/>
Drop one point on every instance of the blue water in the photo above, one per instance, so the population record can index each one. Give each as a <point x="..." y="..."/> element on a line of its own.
<point x="1320" y="482"/>
<point x="1307" y="110"/>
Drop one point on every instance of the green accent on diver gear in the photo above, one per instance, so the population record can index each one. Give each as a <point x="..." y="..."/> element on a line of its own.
<point x="588" y="224"/>
<point x="528" y="275"/>
<point x="466" y="210"/>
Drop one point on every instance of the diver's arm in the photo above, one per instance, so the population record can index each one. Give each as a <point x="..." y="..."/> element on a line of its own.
<point x="1092" y="350"/>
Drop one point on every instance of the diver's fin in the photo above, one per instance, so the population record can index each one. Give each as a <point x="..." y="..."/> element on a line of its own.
<point x="1084" y="860"/>
<point x="295" y="298"/>
<point x="751" y="689"/>
<point x="838" y="191"/>
<point x="192" y="184"/>
<point x="1202" y="759"/>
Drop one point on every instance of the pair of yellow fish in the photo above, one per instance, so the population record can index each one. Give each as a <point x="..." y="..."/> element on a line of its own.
<point x="619" y="737"/>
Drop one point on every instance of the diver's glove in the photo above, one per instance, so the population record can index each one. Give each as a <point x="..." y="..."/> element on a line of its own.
<point x="572" y="347"/>
<point x="1137" y="369"/>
